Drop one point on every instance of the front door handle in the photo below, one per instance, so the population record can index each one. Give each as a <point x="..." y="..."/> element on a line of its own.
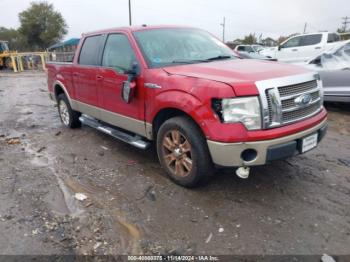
<point x="76" y="74"/>
<point x="99" y="77"/>
<point x="317" y="47"/>
<point x="294" y="50"/>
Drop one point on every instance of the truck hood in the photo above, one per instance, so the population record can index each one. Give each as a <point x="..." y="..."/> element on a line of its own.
<point x="236" y="72"/>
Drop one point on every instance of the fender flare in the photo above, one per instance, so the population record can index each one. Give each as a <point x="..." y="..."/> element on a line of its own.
<point x="60" y="84"/>
<point x="185" y="102"/>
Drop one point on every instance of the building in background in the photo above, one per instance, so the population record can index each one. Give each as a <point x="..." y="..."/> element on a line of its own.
<point x="64" y="51"/>
<point x="268" y="42"/>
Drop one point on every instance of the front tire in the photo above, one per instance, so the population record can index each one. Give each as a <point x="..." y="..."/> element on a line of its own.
<point x="68" y="116"/>
<point x="183" y="152"/>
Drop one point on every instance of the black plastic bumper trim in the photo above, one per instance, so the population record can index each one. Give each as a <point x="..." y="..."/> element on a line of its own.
<point x="291" y="148"/>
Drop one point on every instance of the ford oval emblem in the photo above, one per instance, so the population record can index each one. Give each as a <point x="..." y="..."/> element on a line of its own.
<point x="303" y="100"/>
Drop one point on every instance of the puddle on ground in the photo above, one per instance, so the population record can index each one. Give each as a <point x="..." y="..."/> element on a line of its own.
<point x="61" y="201"/>
<point x="131" y="234"/>
<point x="64" y="202"/>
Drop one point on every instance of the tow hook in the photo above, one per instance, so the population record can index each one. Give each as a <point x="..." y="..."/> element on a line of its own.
<point x="243" y="172"/>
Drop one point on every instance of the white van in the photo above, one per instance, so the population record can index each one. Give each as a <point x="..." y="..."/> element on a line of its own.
<point x="301" y="48"/>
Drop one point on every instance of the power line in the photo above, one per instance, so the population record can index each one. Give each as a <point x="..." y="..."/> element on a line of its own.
<point x="223" y="30"/>
<point x="305" y="26"/>
<point x="345" y="23"/>
<point x="130" y="12"/>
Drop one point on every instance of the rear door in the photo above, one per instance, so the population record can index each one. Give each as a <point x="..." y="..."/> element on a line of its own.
<point x="85" y="74"/>
<point x="310" y="46"/>
<point x="117" y="58"/>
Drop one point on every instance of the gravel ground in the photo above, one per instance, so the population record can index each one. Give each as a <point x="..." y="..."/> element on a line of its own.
<point x="299" y="206"/>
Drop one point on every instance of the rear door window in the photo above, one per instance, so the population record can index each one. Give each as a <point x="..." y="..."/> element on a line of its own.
<point x="90" y="51"/>
<point x="311" y="39"/>
<point x="118" y="53"/>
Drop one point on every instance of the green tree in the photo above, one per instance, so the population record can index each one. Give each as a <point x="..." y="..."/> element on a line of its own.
<point x="249" y="39"/>
<point x="15" y="40"/>
<point x="41" y="25"/>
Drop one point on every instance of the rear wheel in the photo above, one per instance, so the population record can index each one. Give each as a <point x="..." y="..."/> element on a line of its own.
<point x="69" y="117"/>
<point x="183" y="152"/>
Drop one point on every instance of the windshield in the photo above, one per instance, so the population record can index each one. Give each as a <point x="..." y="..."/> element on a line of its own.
<point x="257" y="48"/>
<point x="337" y="60"/>
<point x="165" y="47"/>
<point x="3" y="47"/>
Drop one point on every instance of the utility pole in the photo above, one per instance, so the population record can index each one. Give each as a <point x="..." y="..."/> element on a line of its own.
<point x="345" y="23"/>
<point x="223" y="30"/>
<point x="130" y="12"/>
<point x="305" y="26"/>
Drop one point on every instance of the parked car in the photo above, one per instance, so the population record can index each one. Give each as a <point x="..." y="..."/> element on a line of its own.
<point x="249" y="48"/>
<point x="334" y="69"/>
<point x="245" y="55"/>
<point x="301" y="48"/>
<point x="185" y="90"/>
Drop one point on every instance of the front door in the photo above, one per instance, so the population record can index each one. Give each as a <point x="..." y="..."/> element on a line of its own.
<point x="289" y="50"/>
<point x="118" y="57"/>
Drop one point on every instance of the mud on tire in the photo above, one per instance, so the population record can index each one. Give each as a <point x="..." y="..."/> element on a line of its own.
<point x="68" y="116"/>
<point x="183" y="152"/>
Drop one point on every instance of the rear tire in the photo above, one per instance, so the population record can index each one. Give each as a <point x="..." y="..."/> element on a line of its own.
<point x="68" y="116"/>
<point x="183" y="152"/>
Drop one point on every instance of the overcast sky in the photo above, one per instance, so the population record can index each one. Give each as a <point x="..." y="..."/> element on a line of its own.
<point x="268" y="17"/>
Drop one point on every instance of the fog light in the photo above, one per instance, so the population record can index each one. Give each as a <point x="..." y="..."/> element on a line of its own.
<point x="249" y="155"/>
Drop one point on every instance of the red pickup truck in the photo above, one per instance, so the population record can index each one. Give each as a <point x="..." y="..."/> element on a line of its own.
<point x="189" y="93"/>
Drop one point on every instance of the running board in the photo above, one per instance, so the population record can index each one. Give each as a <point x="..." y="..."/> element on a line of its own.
<point x="133" y="140"/>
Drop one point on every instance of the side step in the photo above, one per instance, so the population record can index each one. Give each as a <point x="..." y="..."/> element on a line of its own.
<point x="133" y="140"/>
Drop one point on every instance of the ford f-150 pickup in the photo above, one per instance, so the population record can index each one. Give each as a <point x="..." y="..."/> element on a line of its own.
<point x="185" y="90"/>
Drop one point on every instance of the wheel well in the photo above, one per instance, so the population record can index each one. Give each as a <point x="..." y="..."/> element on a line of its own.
<point x="58" y="90"/>
<point x="166" y="114"/>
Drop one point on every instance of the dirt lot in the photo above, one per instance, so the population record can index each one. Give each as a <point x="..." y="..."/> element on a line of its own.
<point x="297" y="206"/>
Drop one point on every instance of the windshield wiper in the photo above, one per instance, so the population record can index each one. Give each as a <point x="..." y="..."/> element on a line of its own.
<point x="189" y="61"/>
<point x="219" y="57"/>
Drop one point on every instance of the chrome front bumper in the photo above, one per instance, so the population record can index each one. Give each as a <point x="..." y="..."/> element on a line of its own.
<point x="230" y="154"/>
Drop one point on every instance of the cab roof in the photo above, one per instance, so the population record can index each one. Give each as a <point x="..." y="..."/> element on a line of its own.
<point x="136" y="28"/>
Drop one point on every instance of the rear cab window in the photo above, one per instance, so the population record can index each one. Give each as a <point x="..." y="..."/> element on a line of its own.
<point x="91" y="50"/>
<point x="333" y="38"/>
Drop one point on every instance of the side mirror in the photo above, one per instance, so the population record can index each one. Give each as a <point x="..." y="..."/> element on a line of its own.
<point x="128" y="90"/>
<point x="129" y="85"/>
<point x="279" y="47"/>
<point x="134" y="70"/>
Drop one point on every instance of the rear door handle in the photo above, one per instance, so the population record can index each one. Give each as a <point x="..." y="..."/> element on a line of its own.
<point x="317" y="47"/>
<point x="294" y="50"/>
<point x="99" y="77"/>
<point x="75" y="74"/>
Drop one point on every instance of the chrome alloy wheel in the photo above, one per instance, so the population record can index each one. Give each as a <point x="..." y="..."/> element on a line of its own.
<point x="64" y="113"/>
<point x="177" y="153"/>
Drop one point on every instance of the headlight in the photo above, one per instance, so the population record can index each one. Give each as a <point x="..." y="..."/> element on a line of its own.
<point x="245" y="110"/>
<point x="320" y="85"/>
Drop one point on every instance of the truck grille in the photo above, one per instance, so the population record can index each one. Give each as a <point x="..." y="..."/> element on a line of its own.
<point x="283" y="103"/>
<point x="288" y="117"/>
<point x="297" y="89"/>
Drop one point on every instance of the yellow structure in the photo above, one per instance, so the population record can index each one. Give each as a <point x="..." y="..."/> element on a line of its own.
<point x="17" y="59"/>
